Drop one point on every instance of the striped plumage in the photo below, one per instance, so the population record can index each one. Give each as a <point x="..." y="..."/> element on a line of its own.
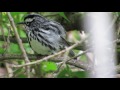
<point x="45" y="36"/>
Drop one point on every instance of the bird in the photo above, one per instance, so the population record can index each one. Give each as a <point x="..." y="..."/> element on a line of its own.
<point x="45" y="36"/>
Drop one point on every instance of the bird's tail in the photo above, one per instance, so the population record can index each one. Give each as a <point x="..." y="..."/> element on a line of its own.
<point x="71" y="53"/>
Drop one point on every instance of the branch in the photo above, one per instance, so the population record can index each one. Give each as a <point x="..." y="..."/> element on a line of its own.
<point x="9" y="57"/>
<point x="19" y="41"/>
<point x="51" y="56"/>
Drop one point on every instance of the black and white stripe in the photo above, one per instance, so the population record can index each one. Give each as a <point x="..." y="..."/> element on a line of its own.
<point x="44" y="36"/>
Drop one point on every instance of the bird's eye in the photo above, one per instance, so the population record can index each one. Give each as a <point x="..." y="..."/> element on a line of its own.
<point x="27" y="23"/>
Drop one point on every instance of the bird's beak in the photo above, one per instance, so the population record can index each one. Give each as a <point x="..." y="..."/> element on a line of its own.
<point x="21" y="23"/>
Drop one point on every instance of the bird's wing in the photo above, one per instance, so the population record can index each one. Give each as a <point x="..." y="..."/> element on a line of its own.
<point x="56" y="27"/>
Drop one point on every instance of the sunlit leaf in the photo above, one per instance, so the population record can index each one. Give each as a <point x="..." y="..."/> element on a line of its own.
<point x="3" y="13"/>
<point x="49" y="66"/>
<point x="14" y="48"/>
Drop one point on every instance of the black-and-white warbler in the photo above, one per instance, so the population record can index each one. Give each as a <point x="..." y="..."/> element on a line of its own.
<point x="45" y="36"/>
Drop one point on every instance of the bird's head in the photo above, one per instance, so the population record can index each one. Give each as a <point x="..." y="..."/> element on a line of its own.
<point x="33" y="20"/>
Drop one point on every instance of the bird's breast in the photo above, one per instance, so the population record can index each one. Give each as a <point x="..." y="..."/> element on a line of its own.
<point x="40" y="48"/>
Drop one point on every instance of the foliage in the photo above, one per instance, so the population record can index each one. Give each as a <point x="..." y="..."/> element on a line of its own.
<point x="46" y="67"/>
<point x="68" y="73"/>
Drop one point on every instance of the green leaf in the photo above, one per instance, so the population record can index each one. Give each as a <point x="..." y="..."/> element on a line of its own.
<point x="3" y="13"/>
<point x="63" y="15"/>
<point x="21" y="76"/>
<point x="65" y="73"/>
<point x="4" y="17"/>
<point x="48" y="66"/>
<point x="18" y="16"/>
<point x="68" y="73"/>
<point x="79" y="74"/>
<point x="28" y="48"/>
<point x="76" y="34"/>
<point x="14" y="48"/>
<point x="22" y="33"/>
<point x="118" y="13"/>
<point x="1" y="49"/>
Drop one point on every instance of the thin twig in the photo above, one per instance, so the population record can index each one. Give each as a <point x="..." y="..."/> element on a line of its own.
<point x="4" y="57"/>
<point x="19" y="42"/>
<point x="79" y="55"/>
<point x="62" y="64"/>
<point x="67" y="60"/>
